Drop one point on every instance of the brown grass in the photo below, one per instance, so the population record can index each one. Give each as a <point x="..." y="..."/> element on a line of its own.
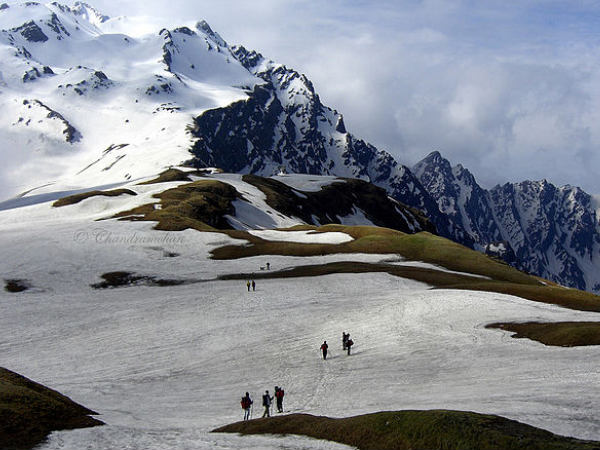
<point x="560" y="334"/>
<point x="200" y="205"/>
<point x="416" y="430"/>
<point x="169" y="175"/>
<point x="30" y="411"/>
<point x="76" y="198"/>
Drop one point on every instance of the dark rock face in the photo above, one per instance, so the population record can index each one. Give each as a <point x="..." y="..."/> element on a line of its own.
<point x="339" y="202"/>
<point x="533" y="225"/>
<point x="34" y="73"/>
<point x="31" y="32"/>
<point x="58" y="28"/>
<point x="69" y="131"/>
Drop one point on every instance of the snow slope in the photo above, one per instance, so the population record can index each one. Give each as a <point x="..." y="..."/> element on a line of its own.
<point x="164" y="365"/>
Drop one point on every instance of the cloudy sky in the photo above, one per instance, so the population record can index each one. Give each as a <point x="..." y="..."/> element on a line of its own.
<point x="510" y="89"/>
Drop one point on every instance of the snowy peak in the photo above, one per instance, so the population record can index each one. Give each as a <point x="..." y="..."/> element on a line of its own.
<point x="87" y="12"/>
<point x="205" y="28"/>
<point x="457" y="194"/>
<point x="105" y="99"/>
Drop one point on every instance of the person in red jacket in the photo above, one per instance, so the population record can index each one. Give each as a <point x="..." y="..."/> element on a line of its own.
<point x="246" y="405"/>
<point x="324" y="348"/>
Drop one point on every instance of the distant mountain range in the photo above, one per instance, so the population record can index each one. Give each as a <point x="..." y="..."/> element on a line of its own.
<point x="87" y="104"/>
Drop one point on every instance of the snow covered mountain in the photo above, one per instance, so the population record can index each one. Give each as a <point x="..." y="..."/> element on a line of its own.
<point x="83" y="105"/>
<point x="283" y="126"/>
<point x="551" y="231"/>
<point x="87" y="102"/>
<point x="89" y="107"/>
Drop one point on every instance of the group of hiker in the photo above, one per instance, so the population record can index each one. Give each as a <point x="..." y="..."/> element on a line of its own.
<point x="347" y="344"/>
<point x="267" y="401"/>
<point x="251" y="283"/>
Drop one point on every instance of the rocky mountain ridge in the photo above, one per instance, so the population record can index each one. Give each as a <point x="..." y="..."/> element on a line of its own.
<point x="547" y="230"/>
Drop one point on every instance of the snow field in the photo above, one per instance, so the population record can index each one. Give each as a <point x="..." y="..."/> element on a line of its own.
<point x="164" y="365"/>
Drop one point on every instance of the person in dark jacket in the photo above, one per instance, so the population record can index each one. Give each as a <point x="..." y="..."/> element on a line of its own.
<point x="246" y="405"/>
<point x="349" y="343"/>
<point x="324" y="348"/>
<point x="267" y="401"/>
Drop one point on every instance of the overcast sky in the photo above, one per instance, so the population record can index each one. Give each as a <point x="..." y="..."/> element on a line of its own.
<point x="510" y="89"/>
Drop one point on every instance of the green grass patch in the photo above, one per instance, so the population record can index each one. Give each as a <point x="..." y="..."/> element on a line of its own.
<point x="200" y="205"/>
<point x="30" y="411"/>
<point x="422" y="246"/>
<point x="416" y="430"/>
<point x="168" y="176"/>
<point x="560" y="334"/>
<point x="76" y="198"/>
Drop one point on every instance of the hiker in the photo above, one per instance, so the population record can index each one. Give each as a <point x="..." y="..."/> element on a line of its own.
<point x="324" y="348"/>
<point x="344" y="339"/>
<point x="279" y="393"/>
<point x="268" y="266"/>
<point x="267" y="399"/>
<point x="246" y="405"/>
<point x="253" y="285"/>
<point x="248" y="285"/>
<point x="349" y="343"/>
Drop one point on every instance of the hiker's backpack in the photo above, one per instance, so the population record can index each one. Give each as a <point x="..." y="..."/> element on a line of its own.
<point x="245" y="403"/>
<point x="279" y="393"/>
<point x="350" y="343"/>
<point x="266" y="400"/>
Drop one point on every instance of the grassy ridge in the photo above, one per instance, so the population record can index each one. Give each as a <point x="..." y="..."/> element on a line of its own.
<point x="76" y="198"/>
<point x="169" y="175"/>
<point x="416" y="430"/>
<point x="200" y="205"/>
<point x="30" y="411"/>
<point x="420" y="247"/>
<point x="560" y="334"/>
<point x="367" y="239"/>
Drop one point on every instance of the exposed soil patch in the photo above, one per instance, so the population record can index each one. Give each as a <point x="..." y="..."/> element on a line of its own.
<point x="30" y="411"/>
<point x="16" y="285"/>
<point x="73" y="199"/>
<point x="560" y="334"/>
<point x="124" y="279"/>
<point x="417" y="430"/>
